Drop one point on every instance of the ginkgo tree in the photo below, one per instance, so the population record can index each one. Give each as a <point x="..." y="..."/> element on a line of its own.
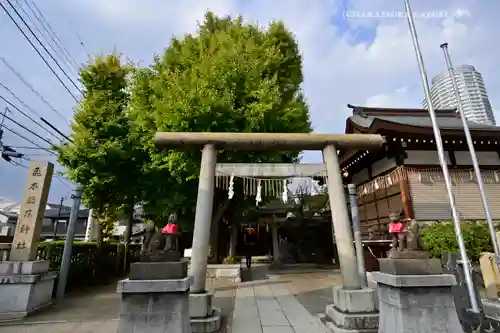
<point x="103" y="155"/>
<point x="229" y="76"/>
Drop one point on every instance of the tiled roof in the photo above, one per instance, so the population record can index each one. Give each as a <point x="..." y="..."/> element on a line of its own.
<point x="446" y="119"/>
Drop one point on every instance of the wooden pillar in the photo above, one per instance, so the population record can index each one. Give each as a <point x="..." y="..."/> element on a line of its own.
<point x="404" y="186"/>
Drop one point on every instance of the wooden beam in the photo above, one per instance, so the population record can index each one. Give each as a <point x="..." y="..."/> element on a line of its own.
<point x="404" y="186"/>
<point x="268" y="141"/>
<point x="270" y="170"/>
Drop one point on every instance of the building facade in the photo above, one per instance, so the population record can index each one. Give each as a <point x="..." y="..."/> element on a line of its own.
<point x="407" y="175"/>
<point x="53" y="213"/>
<point x="473" y="94"/>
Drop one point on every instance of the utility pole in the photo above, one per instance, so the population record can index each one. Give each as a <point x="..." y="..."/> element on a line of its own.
<point x="68" y="245"/>
<point x="90" y="226"/>
<point x="442" y="161"/>
<point x="56" y="222"/>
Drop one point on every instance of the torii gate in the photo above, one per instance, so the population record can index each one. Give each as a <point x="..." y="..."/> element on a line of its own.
<point x="276" y="174"/>
<point x="327" y="143"/>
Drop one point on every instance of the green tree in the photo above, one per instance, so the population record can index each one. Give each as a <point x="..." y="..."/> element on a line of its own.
<point x="228" y="77"/>
<point x="104" y="156"/>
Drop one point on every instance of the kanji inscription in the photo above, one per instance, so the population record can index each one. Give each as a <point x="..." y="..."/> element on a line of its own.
<point x="29" y="224"/>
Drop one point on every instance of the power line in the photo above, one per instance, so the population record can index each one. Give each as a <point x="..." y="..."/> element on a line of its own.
<point x="23" y="80"/>
<point x="72" y="26"/>
<point x="36" y="154"/>
<point x="54" y="46"/>
<point x="55" y="129"/>
<point x="22" y="112"/>
<point x="27" y="129"/>
<point x="27" y="147"/>
<point x="37" y="51"/>
<point x="43" y="46"/>
<point x="18" y="99"/>
<point x="51" y="34"/>
<point x="59" y="178"/>
<point x="28" y="140"/>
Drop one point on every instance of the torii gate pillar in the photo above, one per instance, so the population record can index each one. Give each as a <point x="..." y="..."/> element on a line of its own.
<point x="340" y="219"/>
<point x="203" y="218"/>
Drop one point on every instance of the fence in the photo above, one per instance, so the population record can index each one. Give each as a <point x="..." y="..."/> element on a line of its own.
<point x="90" y="264"/>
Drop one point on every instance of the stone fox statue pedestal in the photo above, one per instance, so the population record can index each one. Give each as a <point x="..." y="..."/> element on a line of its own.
<point x="155" y="298"/>
<point x="414" y="295"/>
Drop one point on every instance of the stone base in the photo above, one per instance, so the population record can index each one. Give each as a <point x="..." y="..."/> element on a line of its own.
<point x="158" y="270"/>
<point x="230" y="272"/>
<point x="352" y="311"/>
<point x="408" y="254"/>
<point x="276" y="265"/>
<point x="423" y="301"/>
<point x="161" y="256"/>
<point x="491" y="308"/>
<point x="203" y="316"/>
<point x="481" y="322"/>
<point x="208" y="324"/>
<point x="200" y="305"/>
<point x="152" y="306"/>
<point x="410" y="266"/>
<point x="25" y="287"/>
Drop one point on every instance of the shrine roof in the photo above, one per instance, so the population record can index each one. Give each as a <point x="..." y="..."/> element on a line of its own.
<point x="403" y="119"/>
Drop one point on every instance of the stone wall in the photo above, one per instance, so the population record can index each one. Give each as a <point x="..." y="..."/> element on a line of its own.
<point x="231" y="272"/>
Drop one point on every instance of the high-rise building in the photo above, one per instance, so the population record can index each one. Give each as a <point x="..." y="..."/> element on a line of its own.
<point x="473" y="95"/>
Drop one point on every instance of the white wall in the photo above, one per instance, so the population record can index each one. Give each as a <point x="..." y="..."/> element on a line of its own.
<point x="486" y="158"/>
<point x="424" y="157"/>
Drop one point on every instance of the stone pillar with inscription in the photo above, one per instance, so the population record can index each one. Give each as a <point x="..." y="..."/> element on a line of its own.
<point x="26" y="283"/>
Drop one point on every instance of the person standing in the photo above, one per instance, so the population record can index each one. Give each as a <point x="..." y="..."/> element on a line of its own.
<point x="250" y="239"/>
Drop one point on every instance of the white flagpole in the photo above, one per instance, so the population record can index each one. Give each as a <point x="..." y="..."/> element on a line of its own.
<point x="439" y="145"/>
<point x="470" y="144"/>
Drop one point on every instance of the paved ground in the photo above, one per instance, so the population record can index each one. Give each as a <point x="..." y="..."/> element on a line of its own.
<point x="270" y="308"/>
<point x="312" y="287"/>
<point x="96" y="310"/>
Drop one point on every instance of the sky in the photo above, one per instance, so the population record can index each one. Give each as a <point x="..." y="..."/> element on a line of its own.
<point x="358" y="52"/>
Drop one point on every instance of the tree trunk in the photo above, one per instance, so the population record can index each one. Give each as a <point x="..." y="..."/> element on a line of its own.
<point x="128" y="234"/>
<point x="213" y="250"/>
<point x="274" y="235"/>
<point x="233" y="239"/>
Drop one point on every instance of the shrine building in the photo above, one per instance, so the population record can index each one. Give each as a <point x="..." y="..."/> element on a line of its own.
<point x="407" y="174"/>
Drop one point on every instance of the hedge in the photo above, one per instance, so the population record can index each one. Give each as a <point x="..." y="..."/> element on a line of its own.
<point x="90" y="265"/>
<point x="440" y="237"/>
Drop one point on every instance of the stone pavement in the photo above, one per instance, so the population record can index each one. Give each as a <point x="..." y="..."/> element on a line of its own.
<point x="285" y="301"/>
<point x="96" y="311"/>
<point x="270" y="308"/>
<point x="311" y="286"/>
<point x="281" y="301"/>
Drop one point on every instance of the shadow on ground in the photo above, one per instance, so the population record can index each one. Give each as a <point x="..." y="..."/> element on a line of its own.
<point x="101" y="303"/>
<point x="315" y="301"/>
<point x="255" y="273"/>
